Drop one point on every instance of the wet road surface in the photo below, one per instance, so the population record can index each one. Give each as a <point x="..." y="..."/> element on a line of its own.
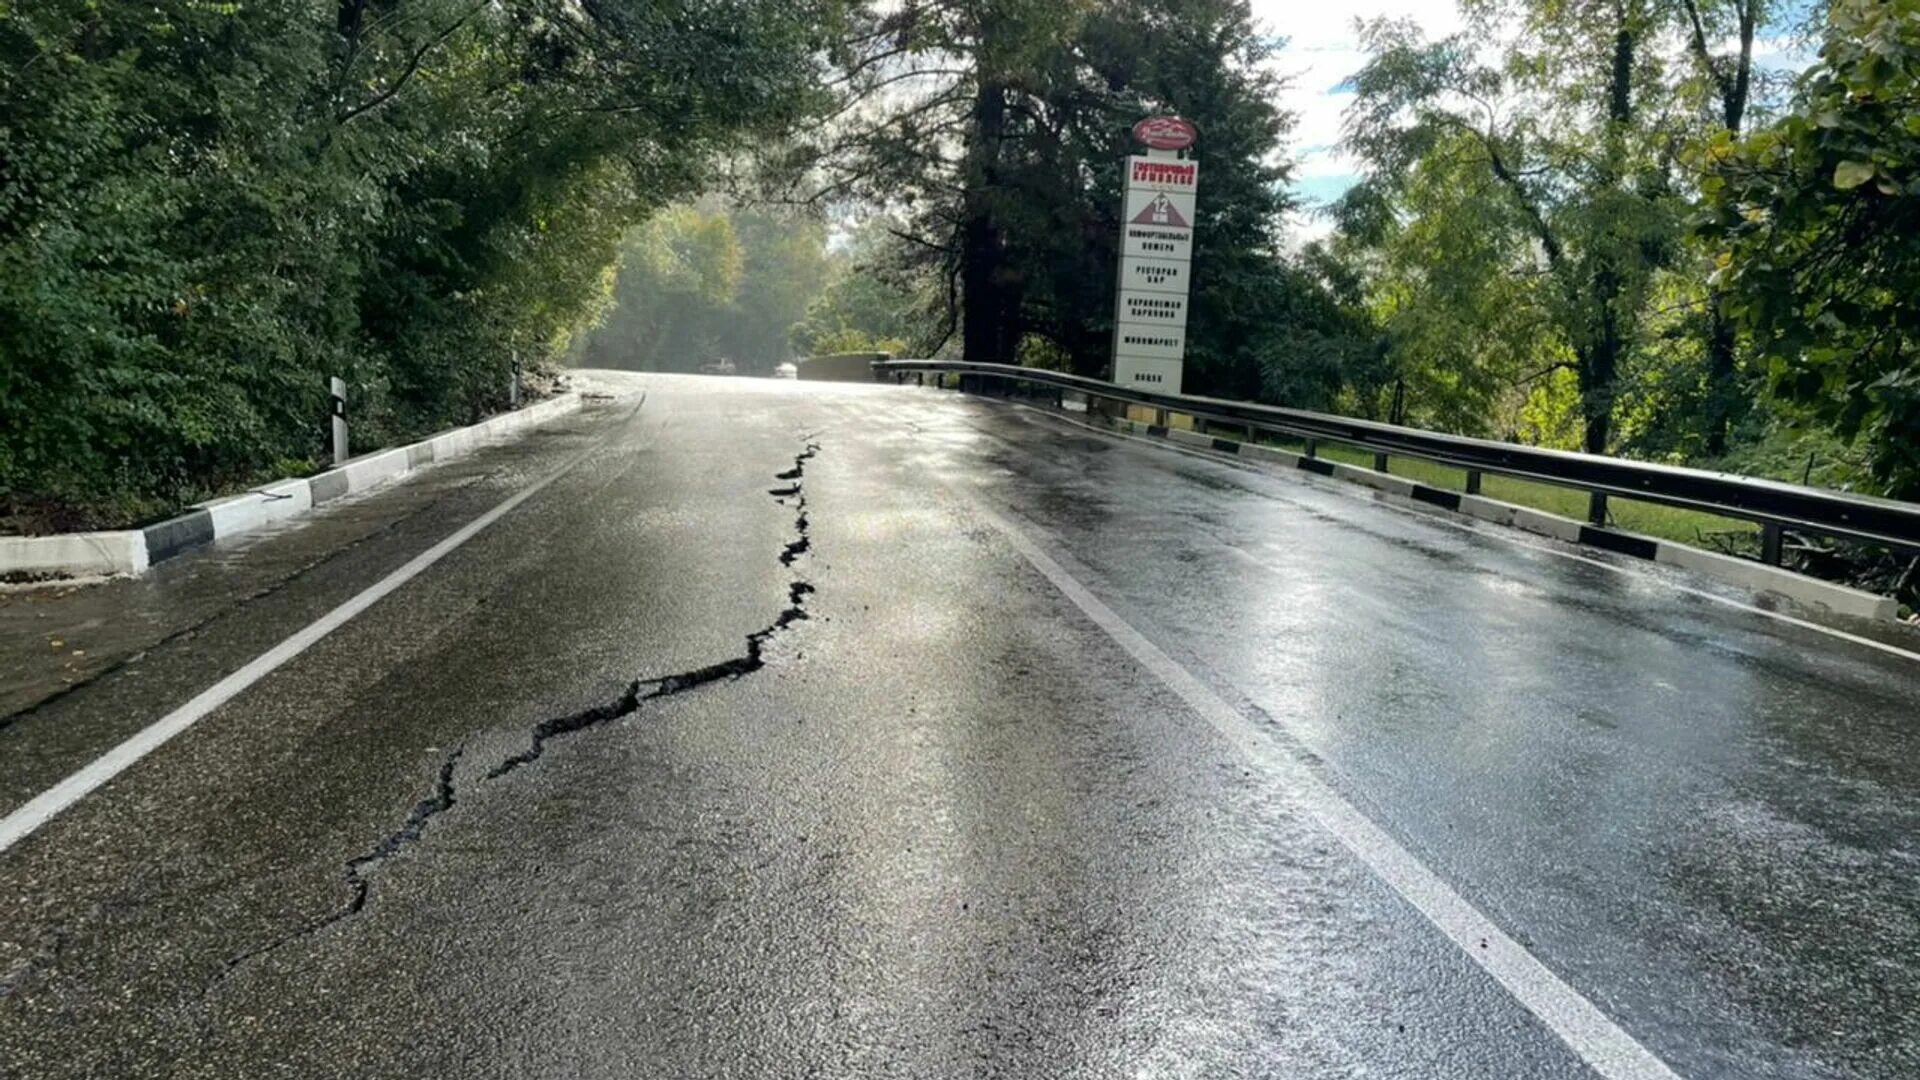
<point x="800" y="730"/>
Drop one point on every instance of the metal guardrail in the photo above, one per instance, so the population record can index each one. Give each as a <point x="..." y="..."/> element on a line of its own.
<point x="1774" y="505"/>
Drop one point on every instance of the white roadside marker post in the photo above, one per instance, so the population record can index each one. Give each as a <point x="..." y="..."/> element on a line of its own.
<point x="338" y="388"/>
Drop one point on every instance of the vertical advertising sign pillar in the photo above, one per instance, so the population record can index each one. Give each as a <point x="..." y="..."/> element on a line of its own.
<point x="1156" y="258"/>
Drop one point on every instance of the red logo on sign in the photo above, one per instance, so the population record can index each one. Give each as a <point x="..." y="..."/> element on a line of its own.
<point x="1165" y="132"/>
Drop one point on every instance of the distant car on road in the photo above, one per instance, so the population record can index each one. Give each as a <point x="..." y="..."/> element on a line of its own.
<point x="786" y="369"/>
<point x="722" y="366"/>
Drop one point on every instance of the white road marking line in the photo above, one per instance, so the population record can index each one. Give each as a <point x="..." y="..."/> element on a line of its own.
<point x="41" y="808"/>
<point x="1494" y="531"/>
<point x="1587" y="1031"/>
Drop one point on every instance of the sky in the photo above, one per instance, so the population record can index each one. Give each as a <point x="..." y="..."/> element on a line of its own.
<point x="1322" y="50"/>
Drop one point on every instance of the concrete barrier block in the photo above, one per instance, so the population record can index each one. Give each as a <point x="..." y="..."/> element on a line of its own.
<point x="375" y="469"/>
<point x="1379" y="481"/>
<point x="493" y="427"/>
<point x="171" y="537"/>
<point x="1486" y="509"/>
<point x="89" y="554"/>
<point x="1539" y="521"/>
<point x="258" y="507"/>
<point x="450" y="445"/>
<point x="1262" y="452"/>
<point x="1798" y="588"/>
<point x="328" y="485"/>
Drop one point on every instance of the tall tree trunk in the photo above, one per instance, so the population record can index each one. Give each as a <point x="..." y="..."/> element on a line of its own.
<point x="1599" y="364"/>
<point x="1600" y="360"/>
<point x="1724" y="403"/>
<point x="984" y="328"/>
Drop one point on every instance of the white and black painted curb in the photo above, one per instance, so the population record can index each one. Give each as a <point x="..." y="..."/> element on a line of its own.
<point x="131" y="551"/>
<point x="1838" y="599"/>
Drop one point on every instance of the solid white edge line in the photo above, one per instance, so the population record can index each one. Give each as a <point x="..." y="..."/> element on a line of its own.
<point x="34" y="813"/>
<point x="1497" y="532"/>
<point x="1602" y="1044"/>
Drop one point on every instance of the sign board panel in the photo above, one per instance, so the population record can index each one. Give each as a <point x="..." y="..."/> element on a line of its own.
<point x="1152" y="310"/>
<point x="1143" y="241"/>
<point x="1162" y="174"/>
<point x="1153" y="208"/>
<point x="1153" y="275"/>
<point x="1156" y="252"/>
<point x="1150" y="342"/>
<point x="1148" y="374"/>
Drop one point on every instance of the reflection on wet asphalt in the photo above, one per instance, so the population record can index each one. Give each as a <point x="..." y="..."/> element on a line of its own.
<point x="941" y="824"/>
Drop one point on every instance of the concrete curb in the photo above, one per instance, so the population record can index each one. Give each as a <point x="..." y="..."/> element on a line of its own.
<point x="1798" y="588"/>
<point x="131" y="551"/>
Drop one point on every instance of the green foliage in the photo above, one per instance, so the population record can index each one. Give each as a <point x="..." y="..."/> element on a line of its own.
<point x="1819" y="218"/>
<point x="873" y="300"/>
<point x="997" y="131"/>
<point x="701" y="281"/>
<point x="208" y="209"/>
<point x="1464" y="335"/>
<point x="1546" y="177"/>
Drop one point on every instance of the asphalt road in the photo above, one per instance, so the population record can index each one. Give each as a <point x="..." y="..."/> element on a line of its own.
<point x="798" y="730"/>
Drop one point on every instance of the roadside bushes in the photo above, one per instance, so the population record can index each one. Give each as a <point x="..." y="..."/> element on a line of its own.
<point x="207" y="208"/>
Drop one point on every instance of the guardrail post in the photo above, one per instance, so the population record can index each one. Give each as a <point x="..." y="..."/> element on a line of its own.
<point x="513" y="387"/>
<point x="1473" y="481"/>
<point x="1312" y="447"/>
<point x="1597" y="508"/>
<point x="1160" y="419"/>
<point x="337" y="389"/>
<point x="1772" y="541"/>
<point x="1379" y="462"/>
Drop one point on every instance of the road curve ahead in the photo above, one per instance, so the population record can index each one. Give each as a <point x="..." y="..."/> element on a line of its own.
<point x="740" y="728"/>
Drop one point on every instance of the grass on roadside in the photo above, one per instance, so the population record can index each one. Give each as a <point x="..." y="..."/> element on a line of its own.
<point x="1651" y="519"/>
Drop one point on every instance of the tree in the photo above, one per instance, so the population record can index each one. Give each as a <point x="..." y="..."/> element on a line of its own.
<point x="1725" y="84"/>
<point x="1818" y="216"/>
<point x="704" y="280"/>
<point x="1566" y="134"/>
<point x="876" y="299"/>
<point x="675" y="274"/>
<point x="997" y="132"/>
<point x="208" y="208"/>
<point x="1464" y="318"/>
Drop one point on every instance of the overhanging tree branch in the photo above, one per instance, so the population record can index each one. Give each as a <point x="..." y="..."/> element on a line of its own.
<point x="412" y="67"/>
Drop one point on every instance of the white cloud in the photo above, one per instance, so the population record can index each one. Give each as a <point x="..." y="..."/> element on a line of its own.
<point x="1322" y="51"/>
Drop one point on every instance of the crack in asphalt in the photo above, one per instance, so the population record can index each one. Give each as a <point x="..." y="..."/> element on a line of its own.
<point x="637" y="692"/>
<point x="626" y="704"/>
<point x="438" y="802"/>
<point x="442" y="495"/>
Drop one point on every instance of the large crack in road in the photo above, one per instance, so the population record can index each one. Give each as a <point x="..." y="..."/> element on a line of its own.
<point x="630" y="702"/>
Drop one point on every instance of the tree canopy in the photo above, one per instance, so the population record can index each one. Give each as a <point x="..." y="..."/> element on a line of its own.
<point x="207" y="209"/>
<point x="1817" y="217"/>
<point x="1602" y="224"/>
